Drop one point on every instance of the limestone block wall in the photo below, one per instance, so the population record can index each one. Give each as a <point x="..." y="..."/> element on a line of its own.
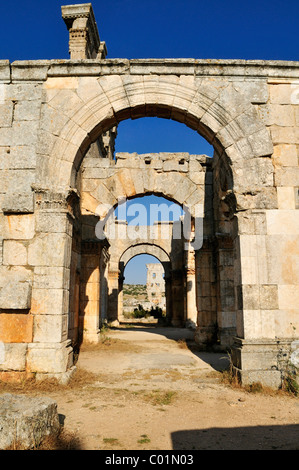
<point x="279" y="246"/>
<point x="180" y="177"/>
<point x="268" y="241"/>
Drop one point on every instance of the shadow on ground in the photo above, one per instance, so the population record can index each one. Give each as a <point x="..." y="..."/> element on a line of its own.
<point x="219" y="361"/>
<point x="241" y="438"/>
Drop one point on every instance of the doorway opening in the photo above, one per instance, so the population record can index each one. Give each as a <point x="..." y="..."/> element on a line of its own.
<point x="144" y="298"/>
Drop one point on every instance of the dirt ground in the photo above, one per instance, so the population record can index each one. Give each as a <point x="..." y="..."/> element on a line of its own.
<point x="144" y="388"/>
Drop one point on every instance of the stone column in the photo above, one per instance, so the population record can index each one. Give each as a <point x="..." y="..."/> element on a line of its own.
<point x="74" y="289"/>
<point x="206" y="295"/>
<point x="168" y="296"/>
<point x="49" y="255"/>
<point x="177" y="289"/>
<point x="90" y="291"/>
<point x="104" y="285"/>
<point x="226" y="311"/>
<point x="120" y="296"/>
<point x="191" y="313"/>
<point x="113" y="283"/>
<point x="256" y="350"/>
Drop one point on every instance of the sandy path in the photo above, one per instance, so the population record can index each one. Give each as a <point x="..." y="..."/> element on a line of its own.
<point x="153" y="393"/>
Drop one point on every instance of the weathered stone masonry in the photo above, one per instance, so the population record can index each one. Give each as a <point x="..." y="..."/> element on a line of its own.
<point x="51" y="112"/>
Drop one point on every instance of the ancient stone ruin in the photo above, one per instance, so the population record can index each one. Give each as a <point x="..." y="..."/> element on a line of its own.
<point x="60" y="179"/>
<point x="155" y="285"/>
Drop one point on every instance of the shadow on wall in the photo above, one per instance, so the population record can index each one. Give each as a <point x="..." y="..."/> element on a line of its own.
<point x="243" y="438"/>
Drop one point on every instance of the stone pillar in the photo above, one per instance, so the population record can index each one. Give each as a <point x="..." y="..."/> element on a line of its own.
<point x="74" y="290"/>
<point x="49" y="255"/>
<point x="226" y="311"/>
<point x="16" y="280"/>
<point x="191" y="307"/>
<point x="120" y="296"/>
<point x="168" y="296"/>
<point x="84" y="39"/>
<point x="255" y="352"/>
<point x="206" y="295"/>
<point x="113" y="283"/>
<point x="90" y="291"/>
<point x="177" y="288"/>
<point x="104" y="285"/>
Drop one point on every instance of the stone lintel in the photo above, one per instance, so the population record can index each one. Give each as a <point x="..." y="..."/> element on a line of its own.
<point x="164" y="156"/>
<point x="30" y="70"/>
<point x="40" y="70"/>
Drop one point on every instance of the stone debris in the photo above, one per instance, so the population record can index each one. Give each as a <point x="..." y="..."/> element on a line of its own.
<point x="26" y="421"/>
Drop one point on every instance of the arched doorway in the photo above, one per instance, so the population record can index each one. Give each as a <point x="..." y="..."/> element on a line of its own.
<point x="142" y="293"/>
<point x="158" y="255"/>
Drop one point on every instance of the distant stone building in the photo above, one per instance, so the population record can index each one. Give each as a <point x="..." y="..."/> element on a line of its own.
<point x="155" y="285"/>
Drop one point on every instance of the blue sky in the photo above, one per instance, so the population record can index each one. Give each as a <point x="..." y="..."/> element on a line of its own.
<point x="200" y="29"/>
<point x="214" y="29"/>
<point x="135" y="272"/>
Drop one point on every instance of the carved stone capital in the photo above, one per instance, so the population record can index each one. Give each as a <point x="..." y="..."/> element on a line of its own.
<point x="84" y="39"/>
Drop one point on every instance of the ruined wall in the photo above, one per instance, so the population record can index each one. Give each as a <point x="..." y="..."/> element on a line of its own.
<point x="50" y="112"/>
<point x="178" y="176"/>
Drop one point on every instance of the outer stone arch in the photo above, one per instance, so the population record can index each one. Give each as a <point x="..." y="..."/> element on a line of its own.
<point x="213" y="108"/>
<point x="87" y="106"/>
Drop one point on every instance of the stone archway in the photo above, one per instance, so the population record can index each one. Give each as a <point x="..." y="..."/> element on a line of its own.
<point x="215" y="109"/>
<point x="246" y="289"/>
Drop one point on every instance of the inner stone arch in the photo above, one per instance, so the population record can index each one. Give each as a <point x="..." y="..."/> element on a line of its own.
<point x="155" y="240"/>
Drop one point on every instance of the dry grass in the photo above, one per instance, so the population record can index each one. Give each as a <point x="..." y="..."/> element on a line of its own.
<point x="110" y="441"/>
<point x="79" y="379"/>
<point x="228" y="378"/>
<point x="64" y="441"/>
<point x="156" y="397"/>
<point x="144" y="439"/>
